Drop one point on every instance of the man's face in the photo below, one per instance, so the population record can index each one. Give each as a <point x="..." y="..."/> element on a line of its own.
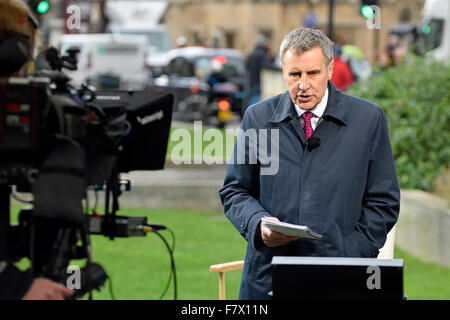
<point x="307" y="76"/>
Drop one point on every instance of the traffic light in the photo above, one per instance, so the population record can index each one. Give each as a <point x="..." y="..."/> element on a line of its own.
<point x="365" y="9"/>
<point x="43" y="7"/>
<point x="39" y="6"/>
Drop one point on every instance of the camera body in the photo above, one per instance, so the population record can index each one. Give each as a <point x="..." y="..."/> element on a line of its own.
<point x="22" y="128"/>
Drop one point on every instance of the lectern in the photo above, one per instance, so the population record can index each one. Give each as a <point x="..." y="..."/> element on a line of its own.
<point x="326" y="278"/>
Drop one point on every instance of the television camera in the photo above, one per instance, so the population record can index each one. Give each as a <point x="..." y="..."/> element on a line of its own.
<point x="57" y="142"/>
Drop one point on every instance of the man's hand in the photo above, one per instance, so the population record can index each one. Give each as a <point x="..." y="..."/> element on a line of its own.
<point x="45" y="289"/>
<point x="274" y="239"/>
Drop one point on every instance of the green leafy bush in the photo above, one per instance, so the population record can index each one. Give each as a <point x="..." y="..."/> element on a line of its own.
<point x="415" y="97"/>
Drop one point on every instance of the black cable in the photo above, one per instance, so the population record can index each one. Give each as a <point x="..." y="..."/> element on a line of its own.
<point x="173" y="238"/>
<point x="173" y="270"/>
<point x="170" y="275"/>
<point x="17" y="198"/>
<point x="167" y="285"/>
<point x="111" y="291"/>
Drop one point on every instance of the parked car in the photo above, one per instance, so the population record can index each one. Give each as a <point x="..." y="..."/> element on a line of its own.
<point x="207" y="84"/>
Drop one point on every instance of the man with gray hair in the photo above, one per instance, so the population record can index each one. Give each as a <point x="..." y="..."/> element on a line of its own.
<point x="336" y="170"/>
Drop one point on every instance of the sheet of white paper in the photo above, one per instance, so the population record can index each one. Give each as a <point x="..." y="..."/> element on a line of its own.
<point x="290" y="229"/>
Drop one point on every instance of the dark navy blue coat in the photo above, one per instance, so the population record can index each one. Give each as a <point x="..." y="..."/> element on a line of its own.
<point x="346" y="188"/>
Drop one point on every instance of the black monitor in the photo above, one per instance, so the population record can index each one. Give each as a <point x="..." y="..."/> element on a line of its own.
<point x="329" y="278"/>
<point x="149" y="115"/>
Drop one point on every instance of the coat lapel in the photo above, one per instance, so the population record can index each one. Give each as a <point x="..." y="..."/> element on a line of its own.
<point x="285" y="115"/>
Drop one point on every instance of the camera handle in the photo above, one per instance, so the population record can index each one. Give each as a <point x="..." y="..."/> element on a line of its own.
<point x="92" y="276"/>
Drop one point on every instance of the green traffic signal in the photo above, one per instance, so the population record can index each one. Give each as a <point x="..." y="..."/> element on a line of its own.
<point x="426" y="29"/>
<point x="43" y="7"/>
<point x="367" y="11"/>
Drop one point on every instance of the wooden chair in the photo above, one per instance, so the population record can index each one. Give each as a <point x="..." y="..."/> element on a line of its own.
<point x="221" y="269"/>
<point x="387" y="252"/>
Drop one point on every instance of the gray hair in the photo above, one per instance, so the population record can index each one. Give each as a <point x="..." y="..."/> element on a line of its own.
<point x="304" y="39"/>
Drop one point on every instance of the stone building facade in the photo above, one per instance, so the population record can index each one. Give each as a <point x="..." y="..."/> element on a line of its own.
<point x="236" y="23"/>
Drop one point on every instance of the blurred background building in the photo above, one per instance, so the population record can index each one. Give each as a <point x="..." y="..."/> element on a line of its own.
<point x="370" y="32"/>
<point x="236" y="23"/>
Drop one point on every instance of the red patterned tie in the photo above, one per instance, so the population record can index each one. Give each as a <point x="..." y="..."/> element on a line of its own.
<point x="307" y="127"/>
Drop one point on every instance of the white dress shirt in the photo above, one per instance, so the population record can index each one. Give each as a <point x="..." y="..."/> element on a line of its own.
<point x="317" y="111"/>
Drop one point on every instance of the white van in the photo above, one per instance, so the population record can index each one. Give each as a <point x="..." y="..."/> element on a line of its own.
<point x="144" y="18"/>
<point x="159" y="43"/>
<point x="109" y="61"/>
<point x="436" y="28"/>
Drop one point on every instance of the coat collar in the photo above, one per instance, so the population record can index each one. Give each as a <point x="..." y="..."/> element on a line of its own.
<point x="335" y="110"/>
<point x="284" y="109"/>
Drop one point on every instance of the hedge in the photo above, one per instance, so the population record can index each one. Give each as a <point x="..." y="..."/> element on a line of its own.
<point x="415" y="97"/>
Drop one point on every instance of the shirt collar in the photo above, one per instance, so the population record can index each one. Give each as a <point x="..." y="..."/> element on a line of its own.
<point x="318" y="110"/>
<point x="335" y="109"/>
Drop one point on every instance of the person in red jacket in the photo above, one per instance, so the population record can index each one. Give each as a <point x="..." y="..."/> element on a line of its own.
<point x="342" y="74"/>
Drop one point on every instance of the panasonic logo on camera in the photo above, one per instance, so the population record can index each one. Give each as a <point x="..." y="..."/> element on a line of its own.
<point x="150" y="118"/>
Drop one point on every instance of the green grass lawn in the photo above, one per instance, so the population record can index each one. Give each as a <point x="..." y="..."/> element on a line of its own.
<point x="424" y="281"/>
<point x="187" y="142"/>
<point x="139" y="267"/>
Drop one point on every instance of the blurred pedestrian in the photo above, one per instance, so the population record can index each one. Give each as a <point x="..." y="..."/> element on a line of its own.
<point x="360" y="66"/>
<point x="181" y="42"/>
<point x="385" y="60"/>
<point x="256" y="61"/>
<point x="399" y="53"/>
<point x="342" y="74"/>
<point x="199" y="42"/>
<point x="394" y="50"/>
<point x="216" y="74"/>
